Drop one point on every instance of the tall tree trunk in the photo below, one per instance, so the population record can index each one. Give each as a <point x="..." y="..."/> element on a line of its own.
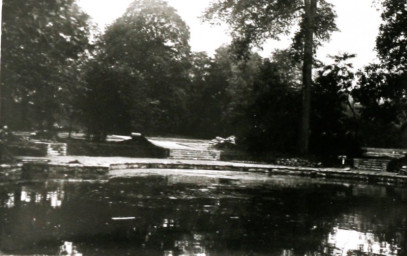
<point x="23" y="122"/>
<point x="70" y="128"/>
<point x="310" y="10"/>
<point x="1" y="87"/>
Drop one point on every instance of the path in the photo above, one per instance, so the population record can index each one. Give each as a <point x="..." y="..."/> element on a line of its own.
<point x="134" y="164"/>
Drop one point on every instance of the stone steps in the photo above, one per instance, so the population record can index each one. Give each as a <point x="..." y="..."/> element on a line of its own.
<point x="372" y="164"/>
<point x="189" y="154"/>
<point x="56" y="149"/>
<point x="51" y="148"/>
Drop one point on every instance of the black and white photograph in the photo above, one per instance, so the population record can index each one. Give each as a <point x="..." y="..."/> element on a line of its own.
<point x="203" y="127"/>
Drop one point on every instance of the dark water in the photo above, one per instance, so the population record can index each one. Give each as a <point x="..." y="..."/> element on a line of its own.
<point x="204" y="214"/>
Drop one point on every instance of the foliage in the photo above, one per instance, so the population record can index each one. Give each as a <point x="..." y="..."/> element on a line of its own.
<point x="144" y="59"/>
<point x="253" y="22"/>
<point x="40" y="40"/>
<point x="242" y="77"/>
<point x="382" y="95"/>
<point x="220" y="92"/>
<point x="324" y="25"/>
<point x="255" y="99"/>
<point x="273" y="113"/>
<point x="334" y="127"/>
<point x="102" y="103"/>
<point x="207" y="96"/>
<point x="288" y="68"/>
<point x="382" y="88"/>
<point x="391" y="42"/>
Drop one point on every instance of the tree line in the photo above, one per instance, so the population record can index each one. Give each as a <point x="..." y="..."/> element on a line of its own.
<point x="140" y="75"/>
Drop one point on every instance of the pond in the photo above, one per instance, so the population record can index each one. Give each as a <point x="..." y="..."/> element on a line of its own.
<point x="178" y="212"/>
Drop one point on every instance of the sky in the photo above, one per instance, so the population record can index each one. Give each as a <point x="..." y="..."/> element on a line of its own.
<point x="358" y="22"/>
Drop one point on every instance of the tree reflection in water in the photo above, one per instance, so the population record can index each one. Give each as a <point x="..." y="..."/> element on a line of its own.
<point x="203" y="215"/>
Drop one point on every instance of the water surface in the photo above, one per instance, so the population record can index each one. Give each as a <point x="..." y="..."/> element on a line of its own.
<point x="175" y="212"/>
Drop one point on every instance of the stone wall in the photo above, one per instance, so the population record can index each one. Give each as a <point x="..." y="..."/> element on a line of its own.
<point x="115" y="149"/>
<point x="38" y="148"/>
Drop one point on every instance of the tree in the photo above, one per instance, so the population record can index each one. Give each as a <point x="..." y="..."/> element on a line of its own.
<point x="254" y="21"/>
<point x="382" y="88"/>
<point x="273" y="110"/>
<point x="288" y="67"/>
<point x="255" y="99"/>
<point x="241" y="79"/>
<point x="221" y="92"/>
<point x="335" y="129"/>
<point x="144" y="61"/>
<point x="391" y="42"/>
<point x="207" y="96"/>
<point x="382" y="95"/>
<point x="40" y="40"/>
<point x="100" y="94"/>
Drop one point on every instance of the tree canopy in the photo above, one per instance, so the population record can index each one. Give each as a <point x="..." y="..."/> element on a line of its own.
<point x="382" y="87"/>
<point x="391" y="42"/>
<point x="334" y="118"/>
<point x="142" y="59"/>
<point x="252" y="22"/>
<point x="40" y="40"/>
